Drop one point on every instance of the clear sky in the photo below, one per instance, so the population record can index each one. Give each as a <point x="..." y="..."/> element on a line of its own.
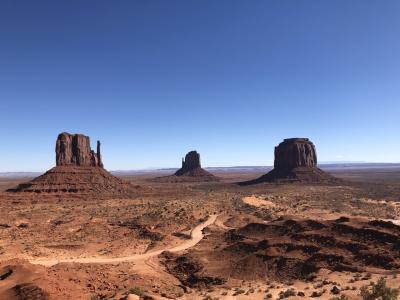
<point x="231" y="79"/>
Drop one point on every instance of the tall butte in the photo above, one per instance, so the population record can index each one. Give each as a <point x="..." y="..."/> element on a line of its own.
<point x="190" y="171"/>
<point x="190" y="164"/>
<point x="78" y="169"/>
<point x="295" y="160"/>
<point x="191" y="168"/>
<point x="74" y="150"/>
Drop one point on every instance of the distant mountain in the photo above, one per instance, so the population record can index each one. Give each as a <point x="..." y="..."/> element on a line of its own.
<point x="345" y="165"/>
<point x="338" y="162"/>
<point x="261" y="169"/>
<point x="355" y="166"/>
<point x="19" y="174"/>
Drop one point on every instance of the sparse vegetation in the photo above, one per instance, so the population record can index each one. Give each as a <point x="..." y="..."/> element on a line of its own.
<point x="310" y="276"/>
<point x="208" y="297"/>
<point x="286" y="294"/>
<point x="136" y="291"/>
<point x="238" y="292"/>
<point x="317" y="294"/>
<point x="341" y="297"/>
<point x="121" y="226"/>
<point x="379" y="290"/>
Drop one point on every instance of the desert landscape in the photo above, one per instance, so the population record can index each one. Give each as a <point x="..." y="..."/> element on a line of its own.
<point x="78" y="232"/>
<point x="199" y="150"/>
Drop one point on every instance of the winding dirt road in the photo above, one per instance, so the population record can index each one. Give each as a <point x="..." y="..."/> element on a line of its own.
<point x="196" y="236"/>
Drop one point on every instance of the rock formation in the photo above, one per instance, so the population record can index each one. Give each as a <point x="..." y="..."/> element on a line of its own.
<point x="189" y="163"/>
<point x="191" y="171"/>
<point x="74" y="149"/>
<point x="295" y="152"/>
<point x="78" y="170"/>
<point x="295" y="160"/>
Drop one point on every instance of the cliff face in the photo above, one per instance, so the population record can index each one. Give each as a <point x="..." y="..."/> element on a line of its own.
<point x="74" y="149"/>
<point x="295" y="160"/>
<point x="293" y="153"/>
<point x="78" y="170"/>
<point x="191" y="162"/>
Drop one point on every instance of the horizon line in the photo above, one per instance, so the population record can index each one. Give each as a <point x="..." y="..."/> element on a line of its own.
<point x="326" y="163"/>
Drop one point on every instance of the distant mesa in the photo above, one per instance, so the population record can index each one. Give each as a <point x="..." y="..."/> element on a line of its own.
<point x="191" y="170"/>
<point x="78" y="170"/>
<point x="295" y="160"/>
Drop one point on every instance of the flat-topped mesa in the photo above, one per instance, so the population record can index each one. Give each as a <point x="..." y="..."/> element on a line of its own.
<point x="74" y="150"/>
<point x="295" y="152"/>
<point x="295" y="160"/>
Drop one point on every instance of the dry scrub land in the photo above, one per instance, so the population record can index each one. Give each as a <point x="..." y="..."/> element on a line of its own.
<point x="266" y="239"/>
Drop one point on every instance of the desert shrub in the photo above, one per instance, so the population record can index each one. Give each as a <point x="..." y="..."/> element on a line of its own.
<point x="238" y="292"/>
<point x="136" y="291"/>
<point x="310" y="277"/>
<point x="208" y="297"/>
<point x="379" y="290"/>
<point x="317" y="294"/>
<point x="286" y="294"/>
<point x="341" y="297"/>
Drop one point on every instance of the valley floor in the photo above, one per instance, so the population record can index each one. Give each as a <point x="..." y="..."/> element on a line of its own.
<point x="203" y="240"/>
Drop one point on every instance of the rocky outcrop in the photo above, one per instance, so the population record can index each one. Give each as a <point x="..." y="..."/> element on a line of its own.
<point x="294" y="248"/>
<point x="74" y="149"/>
<point x="295" y="160"/>
<point x="98" y="155"/>
<point x="295" y="152"/>
<point x="78" y="170"/>
<point x="77" y="179"/>
<point x="191" y="171"/>
<point x="189" y="163"/>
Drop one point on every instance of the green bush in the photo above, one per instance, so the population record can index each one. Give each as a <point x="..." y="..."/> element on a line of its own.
<point x="379" y="290"/>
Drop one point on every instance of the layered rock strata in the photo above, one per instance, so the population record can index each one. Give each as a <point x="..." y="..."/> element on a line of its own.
<point x="74" y="150"/>
<point x="295" y="160"/>
<point x="78" y="169"/>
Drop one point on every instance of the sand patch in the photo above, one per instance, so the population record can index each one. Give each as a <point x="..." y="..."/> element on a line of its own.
<point x="259" y="202"/>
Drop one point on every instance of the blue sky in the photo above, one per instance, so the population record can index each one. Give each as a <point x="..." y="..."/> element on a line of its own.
<point x="231" y="79"/>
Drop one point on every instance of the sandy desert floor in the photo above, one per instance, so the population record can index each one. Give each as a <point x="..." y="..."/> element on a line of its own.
<point x="203" y="240"/>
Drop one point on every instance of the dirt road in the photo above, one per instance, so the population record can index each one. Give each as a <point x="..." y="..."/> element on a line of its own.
<point x="196" y="236"/>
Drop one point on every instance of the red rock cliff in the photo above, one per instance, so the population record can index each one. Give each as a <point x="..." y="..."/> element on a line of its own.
<point x="74" y="149"/>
